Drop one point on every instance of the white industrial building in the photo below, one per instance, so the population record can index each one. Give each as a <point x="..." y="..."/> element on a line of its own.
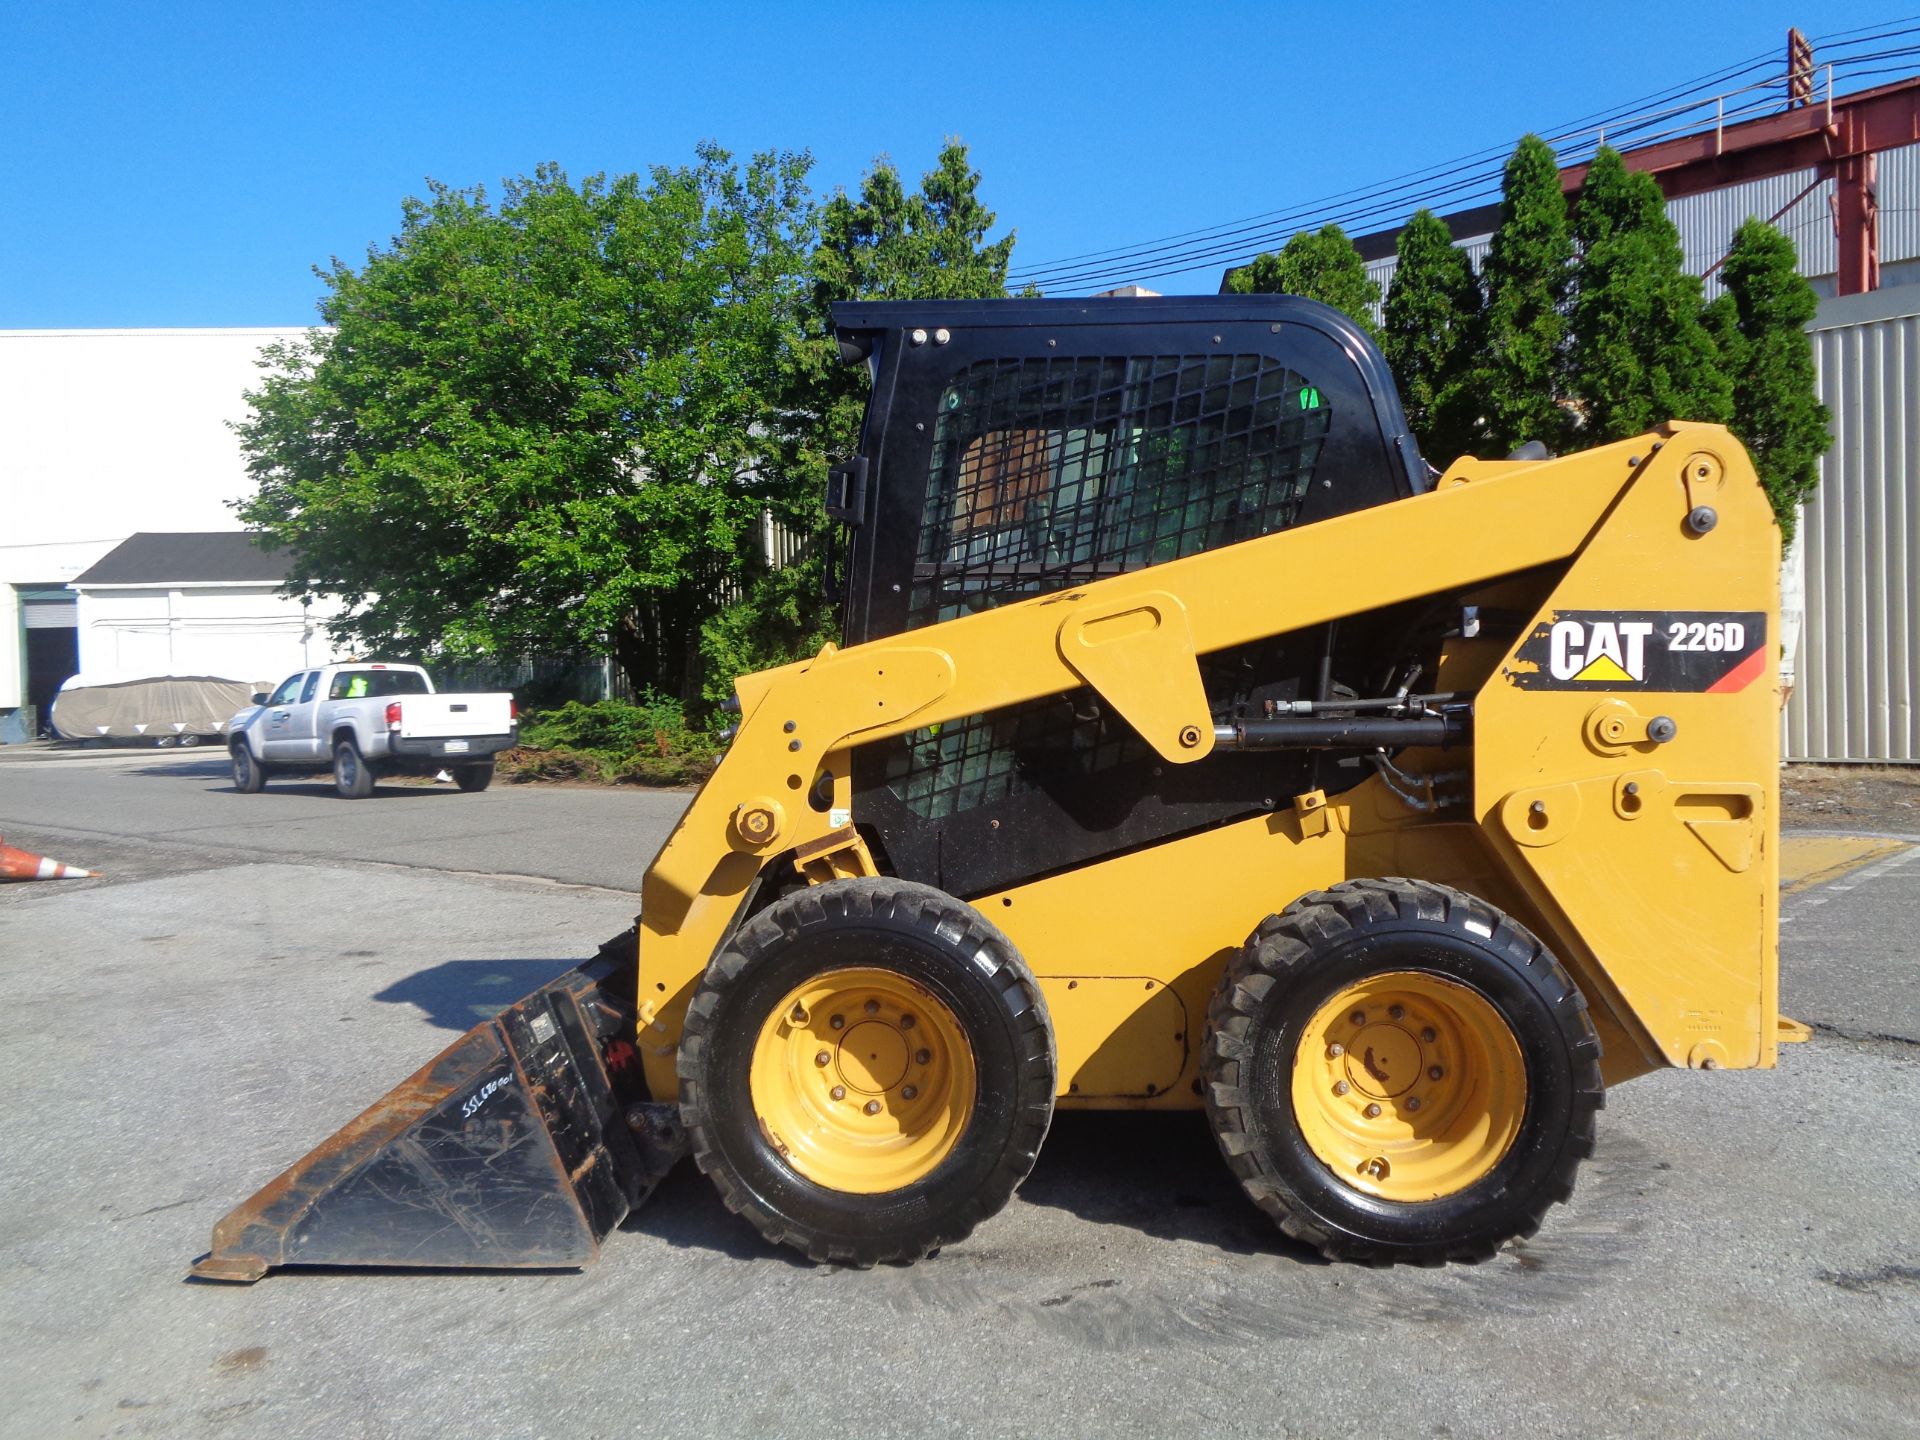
<point x="105" y="434"/>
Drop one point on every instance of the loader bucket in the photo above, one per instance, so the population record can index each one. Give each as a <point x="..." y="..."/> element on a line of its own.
<point x="519" y="1146"/>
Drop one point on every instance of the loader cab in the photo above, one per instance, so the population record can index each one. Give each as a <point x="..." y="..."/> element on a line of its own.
<point x="1014" y="448"/>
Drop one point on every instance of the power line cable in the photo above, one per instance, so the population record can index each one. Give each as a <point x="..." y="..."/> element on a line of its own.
<point x="1469" y="178"/>
<point x="1219" y="244"/>
<point x="1576" y="126"/>
<point x="1479" y="186"/>
<point x="1712" y="77"/>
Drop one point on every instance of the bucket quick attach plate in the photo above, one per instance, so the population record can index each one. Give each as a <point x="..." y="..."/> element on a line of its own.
<point x="511" y="1149"/>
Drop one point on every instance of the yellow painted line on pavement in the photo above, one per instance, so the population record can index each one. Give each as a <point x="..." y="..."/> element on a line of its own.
<point x="1810" y="861"/>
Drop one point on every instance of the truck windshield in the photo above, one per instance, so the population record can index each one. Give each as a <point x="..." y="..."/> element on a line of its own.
<point x="362" y="684"/>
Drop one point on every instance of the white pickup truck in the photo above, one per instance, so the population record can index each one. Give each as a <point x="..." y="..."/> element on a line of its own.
<point x="368" y="721"/>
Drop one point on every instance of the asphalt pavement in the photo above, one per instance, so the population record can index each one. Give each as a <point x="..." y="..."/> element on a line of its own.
<point x="1741" y="1258"/>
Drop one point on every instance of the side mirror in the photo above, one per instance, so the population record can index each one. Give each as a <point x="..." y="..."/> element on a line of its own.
<point x="846" y="499"/>
<point x="259" y="697"/>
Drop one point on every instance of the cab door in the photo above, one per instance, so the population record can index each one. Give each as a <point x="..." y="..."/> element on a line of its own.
<point x="304" y="741"/>
<point x="277" y="736"/>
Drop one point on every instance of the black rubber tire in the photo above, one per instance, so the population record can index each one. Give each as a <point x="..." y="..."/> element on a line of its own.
<point x="351" y="777"/>
<point x="1298" y="960"/>
<point x="474" y="778"/>
<point x="947" y="947"/>
<point x="249" y="775"/>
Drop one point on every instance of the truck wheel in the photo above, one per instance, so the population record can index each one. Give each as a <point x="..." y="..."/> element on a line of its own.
<point x="474" y="778"/>
<point x="1399" y="1072"/>
<point x="350" y="774"/>
<point x="867" y="1071"/>
<point x="249" y="775"/>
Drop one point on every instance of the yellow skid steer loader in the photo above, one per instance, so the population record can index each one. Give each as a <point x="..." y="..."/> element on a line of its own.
<point x="1194" y="746"/>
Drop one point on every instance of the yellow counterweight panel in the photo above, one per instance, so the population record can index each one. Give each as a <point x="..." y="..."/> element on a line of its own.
<point x="1658" y="858"/>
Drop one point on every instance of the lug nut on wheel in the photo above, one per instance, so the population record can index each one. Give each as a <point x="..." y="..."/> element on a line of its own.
<point x="1336" y="1050"/>
<point x="1373" y="1112"/>
<point x="873" y="1007"/>
<point x="908" y="1092"/>
<point x="1340" y="1087"/>
<point x="822" y="1058"/>
<point x="1429" y="1035"/>
<point x="873" y="1107"/>
<point x="1396" y="1012"/>
<point x="839" y="1092"/>
<point x="906" y="1022"/>
<point x="922" y="1057"/>
<point x="837" y="1022"/>
<point x="1435" y="1073"/>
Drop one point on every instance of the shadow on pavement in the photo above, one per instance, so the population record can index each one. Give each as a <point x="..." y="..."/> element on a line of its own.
<point x="460" y="994"/>
<point x="322" y="784"/>
<point x="1160" y="1174"/>
<point x="199" y="768"/>
<point x="216" y="767"/>
<point x="687" y="1213"/>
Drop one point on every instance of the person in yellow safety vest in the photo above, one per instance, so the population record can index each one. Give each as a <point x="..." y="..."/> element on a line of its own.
<point x="357" y="688"/>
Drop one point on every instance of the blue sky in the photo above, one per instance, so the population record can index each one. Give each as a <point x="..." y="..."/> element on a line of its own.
<point x="187" y="164"/>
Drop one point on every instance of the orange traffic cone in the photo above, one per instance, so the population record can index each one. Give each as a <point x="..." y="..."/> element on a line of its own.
<point x="25" y="865"/>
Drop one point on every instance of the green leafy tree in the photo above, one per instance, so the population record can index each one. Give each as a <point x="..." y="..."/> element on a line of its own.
<point x="1526" y="276"/>
<point x="889" y="243"/>
<point x="1323" y="266"/>
<point x="543" y="424"/>
<point x="886" y="243"/>
<point x="1430" y="333"/>
<point x="1640" y="354"/>
<point x="1760" y="322"/>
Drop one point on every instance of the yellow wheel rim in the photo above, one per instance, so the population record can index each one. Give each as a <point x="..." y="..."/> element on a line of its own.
<point x="862" y="1081"/>
<point x="1409" y="1087"/>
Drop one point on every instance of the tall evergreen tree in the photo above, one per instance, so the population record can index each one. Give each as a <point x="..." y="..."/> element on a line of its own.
<point x="1323" y="266"/>
<point x="1761" y="323"/>
<point x="887" y="243"/>
<point x="1430" y="333"/>
<point x="1640" y="354"/>
<point x="1526" y="275"/>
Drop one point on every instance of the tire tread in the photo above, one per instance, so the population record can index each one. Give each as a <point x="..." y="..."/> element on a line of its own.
<point x="1279" y="949"/>
<point x="936" y="915"/>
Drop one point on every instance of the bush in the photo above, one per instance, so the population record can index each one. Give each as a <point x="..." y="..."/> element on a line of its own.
<point x="613" y="742"/>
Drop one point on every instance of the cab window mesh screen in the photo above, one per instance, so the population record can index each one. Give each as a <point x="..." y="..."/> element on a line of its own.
<point x="1050" y="473"/>
<point x="1066" y="740"/>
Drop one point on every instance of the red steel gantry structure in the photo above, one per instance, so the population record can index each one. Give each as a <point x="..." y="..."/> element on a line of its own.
<point x="1835" y="136"/>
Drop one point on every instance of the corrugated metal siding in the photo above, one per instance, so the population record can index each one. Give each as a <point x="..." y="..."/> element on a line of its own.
<point x="1858" y="696"/>
<point x="1706" y="222"/>
<point x="1475" y="246"/>
<point x="1899" y="204"/>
